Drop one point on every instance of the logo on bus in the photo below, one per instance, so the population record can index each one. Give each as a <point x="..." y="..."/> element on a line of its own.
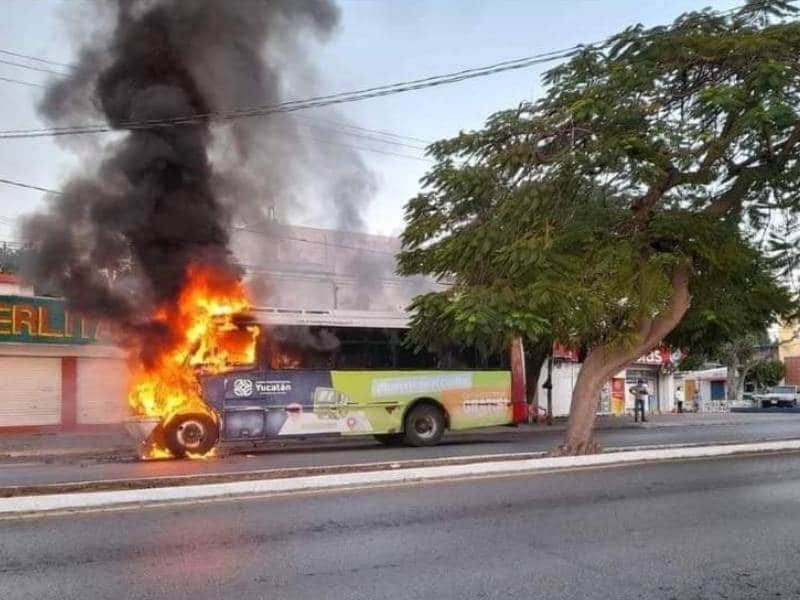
<point x="273" y="387"/>
<point x="242" y="388"/>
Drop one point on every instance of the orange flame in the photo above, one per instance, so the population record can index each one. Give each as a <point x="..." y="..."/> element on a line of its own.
<point x="202" y="337"/>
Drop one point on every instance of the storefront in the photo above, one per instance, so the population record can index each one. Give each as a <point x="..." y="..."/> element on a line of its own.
<point x="59" y="371"/>
<point x="654" y="369"/>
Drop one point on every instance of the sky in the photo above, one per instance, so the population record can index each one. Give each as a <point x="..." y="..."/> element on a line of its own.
<point x="377" y="42"/>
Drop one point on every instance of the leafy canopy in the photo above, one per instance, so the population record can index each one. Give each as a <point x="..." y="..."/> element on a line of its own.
<point x="660" y="151"/>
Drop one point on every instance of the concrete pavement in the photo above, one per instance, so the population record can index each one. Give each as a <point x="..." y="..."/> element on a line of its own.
<point x="723" y="528"/>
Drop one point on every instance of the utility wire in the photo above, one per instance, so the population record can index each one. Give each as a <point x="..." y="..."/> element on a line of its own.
<point x="365" y="129"/>
<point x="319" y="101"/>
<point x="342" y="127"/>
<point x="30" y="67"/>
<point x="30" y="187"/>
<point x="232" y="228"/>
<point x="37" y="59"/>
<point x="363" y="136"/>
<point x="28" y="83"/>
<point x="377" y="151"/>
<point x="304" y="104"/>
<point x="270" y="235"/>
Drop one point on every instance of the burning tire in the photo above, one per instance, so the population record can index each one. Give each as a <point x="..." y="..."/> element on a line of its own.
<point x="190" y="434"/>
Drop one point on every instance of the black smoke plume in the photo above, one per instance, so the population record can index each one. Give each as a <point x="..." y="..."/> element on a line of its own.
<point x="150" y="203"/>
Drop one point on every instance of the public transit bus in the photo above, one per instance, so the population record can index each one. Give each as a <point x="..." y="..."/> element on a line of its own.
<point x="349" y="374"/>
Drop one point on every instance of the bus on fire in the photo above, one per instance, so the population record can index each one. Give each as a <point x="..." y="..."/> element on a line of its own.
<point x="334" y="373"/>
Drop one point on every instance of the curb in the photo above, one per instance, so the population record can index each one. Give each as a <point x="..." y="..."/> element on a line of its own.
<point x="22" y="505"/>
<point x="108" y="485"/>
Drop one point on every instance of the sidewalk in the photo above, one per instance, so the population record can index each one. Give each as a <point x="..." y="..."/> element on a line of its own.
<point x="114" y="443"/>
<point x="40" y="446"/>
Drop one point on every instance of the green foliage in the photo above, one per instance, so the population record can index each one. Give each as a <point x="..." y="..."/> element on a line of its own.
<point x="657" y="151"/>
<point x="766" y="374"/>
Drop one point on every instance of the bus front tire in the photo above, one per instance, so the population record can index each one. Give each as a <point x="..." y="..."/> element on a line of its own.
<point x="389" y="439"/>
<point x="424" y="425"/>
<point x="193" y="433"/>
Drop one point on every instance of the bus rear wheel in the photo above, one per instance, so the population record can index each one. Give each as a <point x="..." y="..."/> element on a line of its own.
<point x="424" y="425"/>
<point x="190" y="434"/>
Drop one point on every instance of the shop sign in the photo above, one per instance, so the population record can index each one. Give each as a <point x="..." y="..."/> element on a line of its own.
<point x="562" y="352"/>
<point x="35" y="320"/>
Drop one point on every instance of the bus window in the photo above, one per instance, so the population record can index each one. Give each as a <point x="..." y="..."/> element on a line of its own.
<point x="316" y="347"/>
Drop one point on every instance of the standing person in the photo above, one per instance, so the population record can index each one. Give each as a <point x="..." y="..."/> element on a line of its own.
<point x="697" y="399"/>
<point x="640" y="393"/>
<point x="679" y="398"/>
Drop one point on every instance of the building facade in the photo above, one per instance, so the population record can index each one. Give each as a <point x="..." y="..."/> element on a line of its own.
<point x="58" y="370"/>
<point x="654" y="369"/>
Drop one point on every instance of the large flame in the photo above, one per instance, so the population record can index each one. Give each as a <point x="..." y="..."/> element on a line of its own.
<point x="202" y="336"/>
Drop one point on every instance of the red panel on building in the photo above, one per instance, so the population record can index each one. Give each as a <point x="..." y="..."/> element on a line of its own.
<point x="792" y="364"/>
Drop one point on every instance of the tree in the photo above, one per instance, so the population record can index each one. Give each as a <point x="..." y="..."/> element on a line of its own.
<point x="601" y="213"/>
<point x="740" y="357"/>
<point x="766" y="373"/>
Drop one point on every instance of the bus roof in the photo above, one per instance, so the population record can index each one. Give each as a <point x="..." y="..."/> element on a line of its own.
<point x="330" y="317"/>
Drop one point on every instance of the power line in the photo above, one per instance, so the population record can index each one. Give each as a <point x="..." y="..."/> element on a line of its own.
<point x="338" y="124"/>
<point x="366" y="129"/>
<point x="319" y="101"/>
<point x="363" y="136"/>
<point x="232" y="228"/>
<point x="37" y="59"/>
<point x="30" y="187"/>
<point x="270" y="235"/>
<point x="304" y="104"/>
<point x="31" y="68"/>
<point x="377" y="151"/>
<point x="28" y="83"/>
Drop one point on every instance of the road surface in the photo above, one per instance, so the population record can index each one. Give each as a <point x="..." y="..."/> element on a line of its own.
<point x="745" y="428"/>
<point x="724" y="528"/>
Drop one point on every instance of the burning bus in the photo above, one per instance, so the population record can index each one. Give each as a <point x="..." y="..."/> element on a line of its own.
<point x="307" y="373"/>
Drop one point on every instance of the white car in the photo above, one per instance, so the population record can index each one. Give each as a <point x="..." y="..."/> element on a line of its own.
<point x="780" y="395"/>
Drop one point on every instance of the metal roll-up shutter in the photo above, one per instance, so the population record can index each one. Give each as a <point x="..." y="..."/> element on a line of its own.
<point x="101" y="391"/>
<point x="30" y="391"/>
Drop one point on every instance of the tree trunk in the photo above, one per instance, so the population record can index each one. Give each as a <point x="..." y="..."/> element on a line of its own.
<point x="732" y="381"/>
<point x="740" y="388"/>
<point x="594" y="373"/>
<point x="603" y="361"/>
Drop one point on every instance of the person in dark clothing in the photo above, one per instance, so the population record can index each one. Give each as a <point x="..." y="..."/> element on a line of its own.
<point x="640" y="393"/>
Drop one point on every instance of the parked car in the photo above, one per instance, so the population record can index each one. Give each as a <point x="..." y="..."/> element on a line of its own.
<point x="780" y="395"/>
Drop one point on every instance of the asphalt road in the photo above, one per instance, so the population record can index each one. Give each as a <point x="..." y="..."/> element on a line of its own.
<point x="725" y="528"/>
<point x="344" y="452"/>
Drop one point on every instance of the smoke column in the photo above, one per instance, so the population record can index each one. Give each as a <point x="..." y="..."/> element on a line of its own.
<point x="153" y="201"/>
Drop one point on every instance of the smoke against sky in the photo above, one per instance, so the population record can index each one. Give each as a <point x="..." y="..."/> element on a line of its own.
<point x="148" y="204"/>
